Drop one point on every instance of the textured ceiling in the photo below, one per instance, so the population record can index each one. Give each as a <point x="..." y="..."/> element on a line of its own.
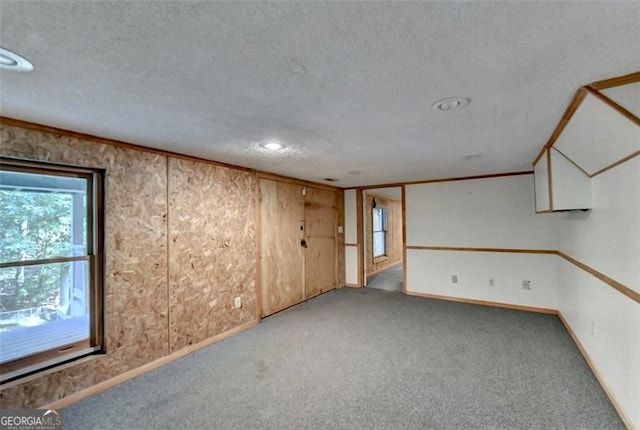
<point x="346" y="86"/>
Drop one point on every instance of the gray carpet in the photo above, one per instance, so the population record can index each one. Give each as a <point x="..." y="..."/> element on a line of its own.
<point x="389" y="279"/>
<point x="368" y="359"/>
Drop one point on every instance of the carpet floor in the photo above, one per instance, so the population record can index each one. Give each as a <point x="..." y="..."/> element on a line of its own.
<point x="368" y="359"/>
<point x="389" y="279"/>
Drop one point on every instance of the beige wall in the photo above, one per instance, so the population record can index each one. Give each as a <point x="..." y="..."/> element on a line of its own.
<point x="179" y="246"/>
<point x="394" y="233"/>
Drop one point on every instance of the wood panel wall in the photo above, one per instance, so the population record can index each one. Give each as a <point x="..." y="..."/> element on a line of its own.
<point x="394" y="233"/>
<point x="179" y="246"/>
<point x="136" y="300"/>
<point x="211" y="250"/>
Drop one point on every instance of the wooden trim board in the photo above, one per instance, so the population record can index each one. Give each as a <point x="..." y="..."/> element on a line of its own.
<point x="577" y="99"/>
<point x="112" y="382"/>
<point x="360" y="236"/>
<point x="603" y="384"/>
<point x="452" y="179"/>
<point x="602" y="277"/>
<point x="616" y="82"/>
<point x="484" y="303"/>
<point x="615" y="106"/>
<point x="350" y="244"/>
<point x="461" y="248"/>
<point x="403" y="194"/>
<point x="617" y="163"/>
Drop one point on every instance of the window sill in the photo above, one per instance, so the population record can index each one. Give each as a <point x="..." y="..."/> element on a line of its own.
<point x="72" y="362"/>
<point x="381" y="258"/>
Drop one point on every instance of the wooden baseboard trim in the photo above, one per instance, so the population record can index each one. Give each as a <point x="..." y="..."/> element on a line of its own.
<point x="470" y="249"/>
<point x="484" y="303"/>
<point x="112" y="382"/>
<point x="352" y="285"/>
<point x="585" y="355"/>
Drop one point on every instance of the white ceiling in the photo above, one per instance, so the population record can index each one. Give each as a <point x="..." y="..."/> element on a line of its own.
<point x="346" y="86"/>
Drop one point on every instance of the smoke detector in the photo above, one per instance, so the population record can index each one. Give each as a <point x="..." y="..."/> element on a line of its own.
<point x="450" y="103"/>
<point x="12" y="61"/>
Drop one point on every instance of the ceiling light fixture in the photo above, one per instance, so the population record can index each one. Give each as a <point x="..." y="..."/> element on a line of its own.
<point x="12" y="61"/>
<point x="450" y="103"/>
<point x="272" y="146"/>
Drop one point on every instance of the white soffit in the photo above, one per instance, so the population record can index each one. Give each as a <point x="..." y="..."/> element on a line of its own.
<point x="343" y="85"/>
<point x="627" y="96"/>
<point x="597" y="136"/>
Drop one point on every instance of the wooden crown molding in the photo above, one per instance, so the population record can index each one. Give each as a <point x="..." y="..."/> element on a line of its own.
<point x="616" y="82"/>
<point x="97" y="139"/>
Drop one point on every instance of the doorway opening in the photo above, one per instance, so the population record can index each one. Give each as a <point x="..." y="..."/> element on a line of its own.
<point x="383" y="250"/>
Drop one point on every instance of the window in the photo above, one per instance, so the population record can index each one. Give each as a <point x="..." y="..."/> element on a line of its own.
<point x="379" y="218"/>
<point x="50" y="265"/>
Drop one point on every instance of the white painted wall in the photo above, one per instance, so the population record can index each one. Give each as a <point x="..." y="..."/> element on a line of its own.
<point x="351" y="262"/>
<point x="485" y="213"/>
<point x="350" y="236"/>
<point x="350" y="217"/>
<point x="488" y="213"/>
<point x="430" y="272"/>
<point x="606" y="322"/>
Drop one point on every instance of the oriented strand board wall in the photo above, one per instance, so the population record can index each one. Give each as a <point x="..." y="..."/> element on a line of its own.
<point x="136" y="258"/>
<point x="211" y="250"/>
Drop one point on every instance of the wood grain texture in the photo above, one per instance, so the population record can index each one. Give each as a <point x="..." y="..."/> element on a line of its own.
<point x="321" y="255"/>
<point x="211" y="250"/>
<point x="135" y="267"/>
<point x="394" y="233"/>
<point x="111" y="142"/>
<point x="340" y="238"/>
<point x="617" y="81"/>
<point x="281" y="256"/>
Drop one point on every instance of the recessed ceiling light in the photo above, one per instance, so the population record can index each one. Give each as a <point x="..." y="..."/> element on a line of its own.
<point x="472" y="157"/>
<point x="450" y="103"/>
<point x="12" y="61"/>
<point x="354" y="172"/>
<point x="272" y="146"/>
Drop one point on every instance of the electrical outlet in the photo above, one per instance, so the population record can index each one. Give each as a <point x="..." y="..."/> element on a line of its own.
<point x="492" y="282"/>
<point x="526" y="285"/>
<point x="454" y="279"/>
<point x="237" y="302"/>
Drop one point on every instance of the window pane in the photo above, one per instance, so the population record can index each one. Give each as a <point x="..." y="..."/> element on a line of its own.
<point x="42" y="307"/>
<point x="377" y="219"/>
<point x="41" y="216"/>
<point x="379" y="244"/>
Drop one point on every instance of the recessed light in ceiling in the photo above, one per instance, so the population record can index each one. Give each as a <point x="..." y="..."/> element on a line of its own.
<point x="12" y="61"/>
<point x="354" y="172"/>
<point x="472" y="157"/>
<point x="450" y="103"/>
<point x="272" y="146"/>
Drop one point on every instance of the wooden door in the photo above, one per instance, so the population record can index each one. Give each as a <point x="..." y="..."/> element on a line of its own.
<point x="281" y="256"/>
<point x="321" y="223"/>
